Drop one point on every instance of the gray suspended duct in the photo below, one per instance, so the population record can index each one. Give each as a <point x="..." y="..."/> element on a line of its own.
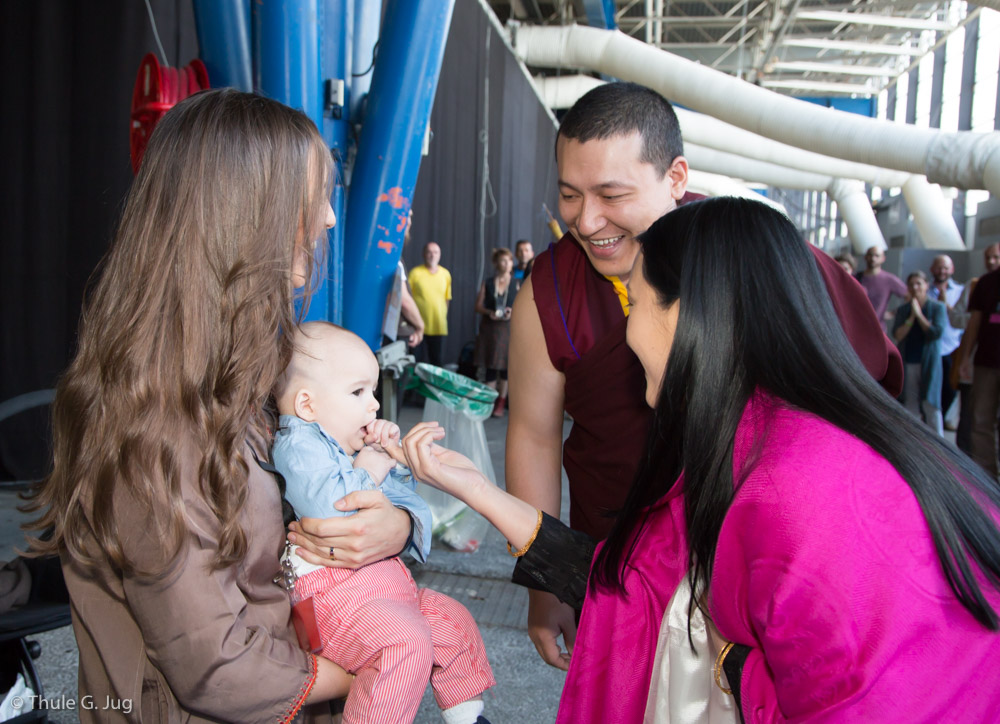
<point x="964" y="159"/>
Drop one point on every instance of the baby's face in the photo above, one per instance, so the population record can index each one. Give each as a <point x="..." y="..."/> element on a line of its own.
<point x="345" y="395"/>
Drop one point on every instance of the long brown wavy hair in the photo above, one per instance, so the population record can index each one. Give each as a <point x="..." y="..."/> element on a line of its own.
<point x="181" y="339"/>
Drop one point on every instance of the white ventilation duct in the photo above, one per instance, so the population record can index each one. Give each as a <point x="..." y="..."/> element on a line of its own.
<point x="931" y="214"/>
<point x="712" y="184"/>
<point x="563" y="91"/>
<point x="931" y="210"/>
<point x="852" y="202"/>
<point x="964" y="159"/>
<point x="707" y="131"/>
<point x="559" y="92"/>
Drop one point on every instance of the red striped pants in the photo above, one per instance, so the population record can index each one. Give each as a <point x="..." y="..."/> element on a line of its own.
<point x="376" y="623"/>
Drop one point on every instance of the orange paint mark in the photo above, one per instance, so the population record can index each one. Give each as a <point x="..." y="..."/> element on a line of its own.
<point x="387" y="246"/>
<point x="394" y="197"/>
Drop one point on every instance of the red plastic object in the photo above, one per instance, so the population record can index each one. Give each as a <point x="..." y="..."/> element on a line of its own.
<point x="157" y="89"/>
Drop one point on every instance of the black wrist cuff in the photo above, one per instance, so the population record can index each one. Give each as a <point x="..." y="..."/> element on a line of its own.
<point x="733" y="666"/>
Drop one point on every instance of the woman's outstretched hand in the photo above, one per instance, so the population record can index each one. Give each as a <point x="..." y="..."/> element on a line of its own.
<point x="438" y="466"/>
<point x="456" y="475"/>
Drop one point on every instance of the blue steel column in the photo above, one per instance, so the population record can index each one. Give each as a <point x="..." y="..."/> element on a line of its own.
<point x="287" y="39"/>
<point x="224" y="38"/>
<point x="411" y="48"/>
<point x="367" y="17"/>
<point x="600" y="13"/>
<point x="287" y="46"/>
<point x="336" y="43"/>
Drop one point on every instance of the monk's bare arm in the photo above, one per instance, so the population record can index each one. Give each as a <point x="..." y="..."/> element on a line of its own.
<point x="534" y="459"/>
<point x="534" y="431"/>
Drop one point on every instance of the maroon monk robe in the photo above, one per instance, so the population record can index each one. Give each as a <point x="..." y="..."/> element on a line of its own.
<point x="584" y="327"/>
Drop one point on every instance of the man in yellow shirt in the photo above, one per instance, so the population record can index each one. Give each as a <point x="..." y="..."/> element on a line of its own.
<point x="430" y="284"/>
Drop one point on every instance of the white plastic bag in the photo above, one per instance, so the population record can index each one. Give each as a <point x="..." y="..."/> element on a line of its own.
<point x="455" y="523"/>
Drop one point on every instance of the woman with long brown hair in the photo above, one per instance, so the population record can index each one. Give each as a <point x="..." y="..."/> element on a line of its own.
<point x="168" y="528"/>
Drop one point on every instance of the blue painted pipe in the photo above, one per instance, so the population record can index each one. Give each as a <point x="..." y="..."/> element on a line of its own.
<point x="411" y="49"/>
<point x="367" y="18"/>
<point x="223" y="28"/>
<point x="286" y="34"/>
<point x="600" y="14"/>
<point x="336" y="28"/>
<point x="288" y="51"/>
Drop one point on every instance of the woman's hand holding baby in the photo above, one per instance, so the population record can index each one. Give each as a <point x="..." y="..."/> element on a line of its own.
<point x="377" y="530"/>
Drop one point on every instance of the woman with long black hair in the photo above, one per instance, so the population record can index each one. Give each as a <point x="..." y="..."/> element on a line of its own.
<point x="848" y="559"/>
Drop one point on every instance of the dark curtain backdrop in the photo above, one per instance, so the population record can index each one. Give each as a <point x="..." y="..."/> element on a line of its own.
<point x="67" y="69"/>
<point x="522" y="171"/>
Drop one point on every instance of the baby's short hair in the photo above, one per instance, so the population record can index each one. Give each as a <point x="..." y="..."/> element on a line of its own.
<point x="311" y="344"/>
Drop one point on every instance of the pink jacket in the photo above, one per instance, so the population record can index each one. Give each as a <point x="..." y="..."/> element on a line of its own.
<point x="826" y="568"/>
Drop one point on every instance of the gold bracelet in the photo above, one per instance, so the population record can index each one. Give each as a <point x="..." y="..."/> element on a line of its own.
<point x="718" y="668"/>
<point x="524" y="549"/>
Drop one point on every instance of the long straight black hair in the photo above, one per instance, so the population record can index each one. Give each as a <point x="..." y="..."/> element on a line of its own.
<point x="755" y="314"/>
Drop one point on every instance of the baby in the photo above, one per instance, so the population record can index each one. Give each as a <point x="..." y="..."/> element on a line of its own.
<point x="373" y="621"/>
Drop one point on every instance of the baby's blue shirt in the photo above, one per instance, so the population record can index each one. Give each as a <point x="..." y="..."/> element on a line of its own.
<point x="318" y="473"/>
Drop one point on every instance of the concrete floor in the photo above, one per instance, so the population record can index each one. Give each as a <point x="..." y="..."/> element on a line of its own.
<point x="527" y="690"/>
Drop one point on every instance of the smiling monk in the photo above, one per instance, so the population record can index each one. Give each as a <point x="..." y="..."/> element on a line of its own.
<point x="621" y="166"/>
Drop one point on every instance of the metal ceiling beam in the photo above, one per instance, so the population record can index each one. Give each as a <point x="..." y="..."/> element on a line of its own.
<point x="851" y="46"/>
<point x="736" y="8"/>
<point x="743" y="38"/>
<point x="714" y="45"/>
<point x="837" y="68"/>
<point x="821" y="86"/>
<point x="941" y="41"/>
<point x="708" y="20"/>
<point x="889" y="21"/>
<point x="776" y="38"/>
<point x="628" y="6"/>
<point x="733" y="47"/>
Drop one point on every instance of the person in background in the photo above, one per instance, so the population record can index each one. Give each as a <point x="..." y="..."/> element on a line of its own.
<point x="847" y="261"/>
<point x="981" y="345"/>
<point x="525" y="255"/>
<point x="958" y="316"/>
<point x="880" y="284"/>
<point x="493" y="304"/>
<point x="917" y="329"/>
<point x="947" y="291"/>
<point x="430" y="284"/>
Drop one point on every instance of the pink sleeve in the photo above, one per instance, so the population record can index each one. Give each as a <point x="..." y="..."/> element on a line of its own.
<point x="810" y="662"/>
<point x="802" y="595"/>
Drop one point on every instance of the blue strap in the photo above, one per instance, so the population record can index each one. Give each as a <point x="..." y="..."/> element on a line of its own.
<point x="562" y="314"/>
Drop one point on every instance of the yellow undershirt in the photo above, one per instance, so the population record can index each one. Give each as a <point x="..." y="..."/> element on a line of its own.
<point x="621" y="291"/>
